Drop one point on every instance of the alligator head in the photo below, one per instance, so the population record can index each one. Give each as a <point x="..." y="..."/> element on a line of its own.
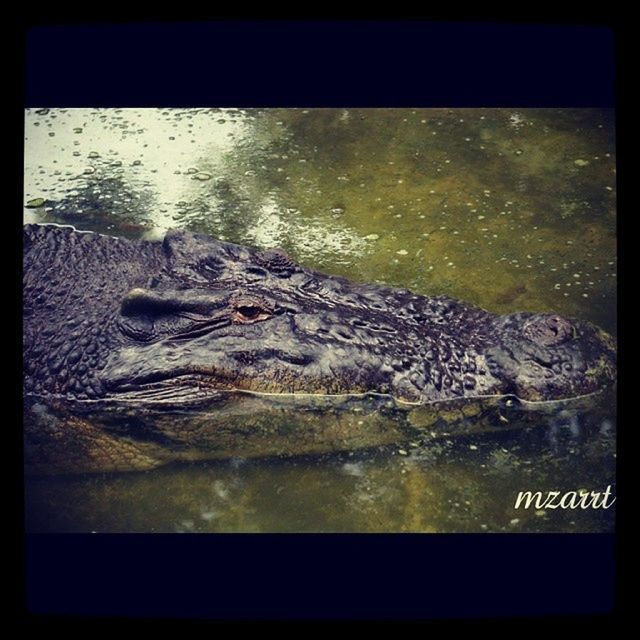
<point x="222" y="316"/>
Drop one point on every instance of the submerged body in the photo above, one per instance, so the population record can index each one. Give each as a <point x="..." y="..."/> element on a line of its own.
<point x="161" y="325"/>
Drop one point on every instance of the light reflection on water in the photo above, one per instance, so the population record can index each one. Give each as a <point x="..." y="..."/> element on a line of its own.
<point x="508" y="209"/>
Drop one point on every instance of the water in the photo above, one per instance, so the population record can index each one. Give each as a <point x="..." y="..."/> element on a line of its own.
<point x="511" y="210"/>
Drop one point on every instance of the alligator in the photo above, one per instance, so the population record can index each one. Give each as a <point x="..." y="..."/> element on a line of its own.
<point x="137" y="353"/>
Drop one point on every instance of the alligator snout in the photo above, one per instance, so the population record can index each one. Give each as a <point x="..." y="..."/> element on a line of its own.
<point x="547" y="356"/>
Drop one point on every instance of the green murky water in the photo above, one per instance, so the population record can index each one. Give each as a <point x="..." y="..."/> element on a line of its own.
<point x="508" y="209"/>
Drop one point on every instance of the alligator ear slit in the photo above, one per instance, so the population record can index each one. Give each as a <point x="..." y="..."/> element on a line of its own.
<point x="141" y="301"/>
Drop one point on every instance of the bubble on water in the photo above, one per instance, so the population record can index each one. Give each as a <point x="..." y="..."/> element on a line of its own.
<point x="606" y="427"/>
<point x="203" y="176"/>
<point x="208" y="516"/>
<point x="220" y="489"/>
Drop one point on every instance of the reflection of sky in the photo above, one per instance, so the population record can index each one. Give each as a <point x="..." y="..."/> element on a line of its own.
<point x="314" y="238"/>
<point x="164" y="166"/>
<point x="164" y="142"/>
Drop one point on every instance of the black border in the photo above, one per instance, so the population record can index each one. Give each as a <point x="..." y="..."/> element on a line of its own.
<point x="265" y="576"/>
<point x="320" y="64"/>
<point x="313" y="63"/>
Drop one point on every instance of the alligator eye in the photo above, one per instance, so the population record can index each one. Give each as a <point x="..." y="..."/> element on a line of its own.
<point x="246" y="311"/>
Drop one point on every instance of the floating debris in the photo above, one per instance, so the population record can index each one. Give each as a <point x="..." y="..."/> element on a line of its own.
<point x="35" y="203"/>
<point x="202" y="176"/>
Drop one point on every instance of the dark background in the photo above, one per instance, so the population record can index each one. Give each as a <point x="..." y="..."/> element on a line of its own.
<point x="320" y="64"/>
<point x="314" y="64"/>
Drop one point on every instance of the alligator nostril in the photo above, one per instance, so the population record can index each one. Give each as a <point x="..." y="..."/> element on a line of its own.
<point x="548" y="330"/>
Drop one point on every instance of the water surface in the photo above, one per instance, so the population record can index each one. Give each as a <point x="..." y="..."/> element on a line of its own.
<point x="511" y="210"/>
